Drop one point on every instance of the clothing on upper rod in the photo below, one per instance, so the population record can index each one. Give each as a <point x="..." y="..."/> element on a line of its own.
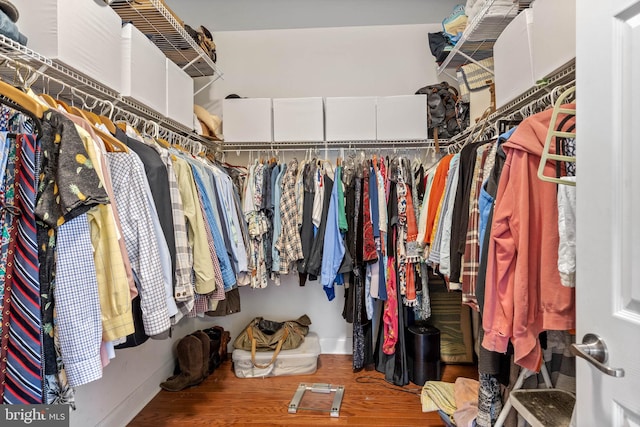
<point x="120" y="251"/>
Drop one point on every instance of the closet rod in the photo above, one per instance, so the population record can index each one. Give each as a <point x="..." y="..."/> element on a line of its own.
<point x="329" y="145"/>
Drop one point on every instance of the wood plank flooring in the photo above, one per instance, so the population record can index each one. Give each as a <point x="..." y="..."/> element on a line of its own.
<point x="225" y="400"/>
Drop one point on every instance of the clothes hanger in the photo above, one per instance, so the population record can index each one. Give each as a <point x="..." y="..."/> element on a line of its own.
<point x="22" y="99"/>
<point x="110" y="142"/>
<point x="49" y="100"/>
<point x="87" y="109"/>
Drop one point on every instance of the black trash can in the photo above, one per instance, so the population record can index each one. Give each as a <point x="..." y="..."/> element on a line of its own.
<point x="423" y="354"/>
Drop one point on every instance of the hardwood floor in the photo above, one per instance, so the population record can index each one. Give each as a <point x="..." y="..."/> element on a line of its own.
<point x="225" y="400"/>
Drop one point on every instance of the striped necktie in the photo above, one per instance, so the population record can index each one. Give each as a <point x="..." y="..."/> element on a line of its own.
<point x="24" y="353"/>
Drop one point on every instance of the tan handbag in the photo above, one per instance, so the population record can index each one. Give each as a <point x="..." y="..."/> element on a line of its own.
<point x="267" y="335"/>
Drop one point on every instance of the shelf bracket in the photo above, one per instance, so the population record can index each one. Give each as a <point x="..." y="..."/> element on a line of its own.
<point x="464" y="55"/>
<point x="209" y="83"/>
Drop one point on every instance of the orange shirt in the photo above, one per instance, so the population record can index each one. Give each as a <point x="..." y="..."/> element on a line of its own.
<point x="437" y="188"/>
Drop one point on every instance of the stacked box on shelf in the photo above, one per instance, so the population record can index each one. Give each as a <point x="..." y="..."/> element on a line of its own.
<point x="554" y="35"/>
<point x="350" y="118"/>
<point x="179" y="87"/>
<point x="247" y="120"/>
<point x="513" y="59"/>
<point x="144" y="70"/>
<point x="298" y="120"/>
<point x="82" y="35"/>
<point x="402" y="118"/>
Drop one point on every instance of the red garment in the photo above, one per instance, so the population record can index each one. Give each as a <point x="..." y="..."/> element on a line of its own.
<point x="412" y="226"/>
<point x="369" y="253"/>
<point x="523" y="294"/>
<point x="390" y="314"/>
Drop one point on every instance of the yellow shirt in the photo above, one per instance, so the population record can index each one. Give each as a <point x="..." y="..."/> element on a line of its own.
<point x="202" y="263"/>
<point x="113" y="286"/>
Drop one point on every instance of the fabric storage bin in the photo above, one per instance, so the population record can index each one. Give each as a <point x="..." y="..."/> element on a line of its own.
<point x="83" y="35"/>
<point x="350" y="119"/>
<point x="144" y="70"/>
<point x="247" y="120"/>
<point x="298" y="120"/>
<point x="554" y="35"/>
<point x="402" y="118"/>
<point x="513" y="59"/>
<point x="300" y="361"/>
<point x="179" y="87"/>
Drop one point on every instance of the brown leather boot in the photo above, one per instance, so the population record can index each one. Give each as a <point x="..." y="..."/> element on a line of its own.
<point x="214" y="351"/>
<point x="206" y="345"/>
<point x="190" y="363"/>
<point x="225" y="337"/>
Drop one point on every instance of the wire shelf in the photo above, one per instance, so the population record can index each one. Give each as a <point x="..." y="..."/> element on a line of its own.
<point x="167" y="32"/>
<point x="22" y="66"/>
<point x="332" y="145"/>
<point x="563" y="76"/>
<point x="477" y="40"/>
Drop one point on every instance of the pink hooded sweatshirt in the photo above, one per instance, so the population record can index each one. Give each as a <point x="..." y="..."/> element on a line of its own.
<point x="524" y="295"/>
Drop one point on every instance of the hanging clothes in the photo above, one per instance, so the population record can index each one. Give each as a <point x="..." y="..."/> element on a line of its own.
<point x="471" y="261"/>
<point x="333" y="247"/>
<point x="518" y="271"/>
<point x="289" y="244"/>
<point x="460" y="214"/>
<point x="314" y="265"/>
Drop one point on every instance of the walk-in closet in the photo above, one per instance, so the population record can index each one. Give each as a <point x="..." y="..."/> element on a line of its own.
<point x="306" y="212"/>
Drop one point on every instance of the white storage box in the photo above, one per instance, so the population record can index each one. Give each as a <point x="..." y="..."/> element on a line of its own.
<point x="350" y="119"/>
<point x="479" y="101"/>
<point x="247" y="120"/>
<point x="402" y="118"/>
<point x="83" y="35"/>
<point x="144" y="70"/>
<point x="298" y="120"/>
<point x="179" y="95"/>
<point x="300" y="361"/>
<point x="554" y="35"/>
<point x="513" y="59"/>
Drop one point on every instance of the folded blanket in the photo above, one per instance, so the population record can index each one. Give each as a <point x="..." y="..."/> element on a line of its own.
<point x="466" y="398"/>
<point x="438" y="395"/>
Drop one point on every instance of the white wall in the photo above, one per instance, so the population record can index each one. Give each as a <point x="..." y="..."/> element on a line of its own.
<point x="234" y="15"/>
<point x="345" y="61"/>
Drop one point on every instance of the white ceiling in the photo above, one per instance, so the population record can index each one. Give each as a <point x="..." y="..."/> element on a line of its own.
<point x="233" y="15"/>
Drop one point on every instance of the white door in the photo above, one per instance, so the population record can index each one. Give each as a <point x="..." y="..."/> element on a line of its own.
<point x="608" y="203"/>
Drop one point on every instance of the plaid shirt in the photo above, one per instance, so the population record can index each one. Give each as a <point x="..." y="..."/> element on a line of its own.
<point x="289" y="244"/>
<point x="471" y="259"/>
<point x="183" y="289"/>
<point x="78" y="303"/>
<point x="128" y="176"/>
